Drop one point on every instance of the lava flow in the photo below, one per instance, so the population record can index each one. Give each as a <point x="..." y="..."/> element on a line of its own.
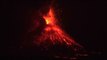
<point x="52" y="34"/>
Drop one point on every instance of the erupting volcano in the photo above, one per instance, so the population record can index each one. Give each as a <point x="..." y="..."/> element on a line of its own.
<point x="52" y="34"/>
<point x="52" y="40"/>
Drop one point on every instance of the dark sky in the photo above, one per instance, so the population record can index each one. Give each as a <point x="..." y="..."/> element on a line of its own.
<point x="83" y="20"/>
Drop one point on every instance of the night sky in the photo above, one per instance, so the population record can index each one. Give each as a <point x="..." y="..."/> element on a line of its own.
<point x="82" y="20"/>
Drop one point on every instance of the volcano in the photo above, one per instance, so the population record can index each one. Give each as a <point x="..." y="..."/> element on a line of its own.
<point x="53" y="41"/>
<point x="53" y="36"/>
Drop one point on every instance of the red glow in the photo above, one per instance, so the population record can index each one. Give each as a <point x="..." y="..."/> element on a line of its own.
<point x="52" y="33"/>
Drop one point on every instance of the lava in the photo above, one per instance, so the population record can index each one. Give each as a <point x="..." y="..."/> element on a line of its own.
<point x="49" y="18"/>
<point x="52" y="34"/>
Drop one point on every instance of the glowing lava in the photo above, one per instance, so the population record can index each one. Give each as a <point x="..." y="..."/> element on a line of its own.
<point x="52" y="33"/>
<point x="49" y="18"/>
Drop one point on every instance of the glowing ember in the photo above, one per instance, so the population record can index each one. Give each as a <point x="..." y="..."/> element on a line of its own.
<point x="52" y="33"/>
